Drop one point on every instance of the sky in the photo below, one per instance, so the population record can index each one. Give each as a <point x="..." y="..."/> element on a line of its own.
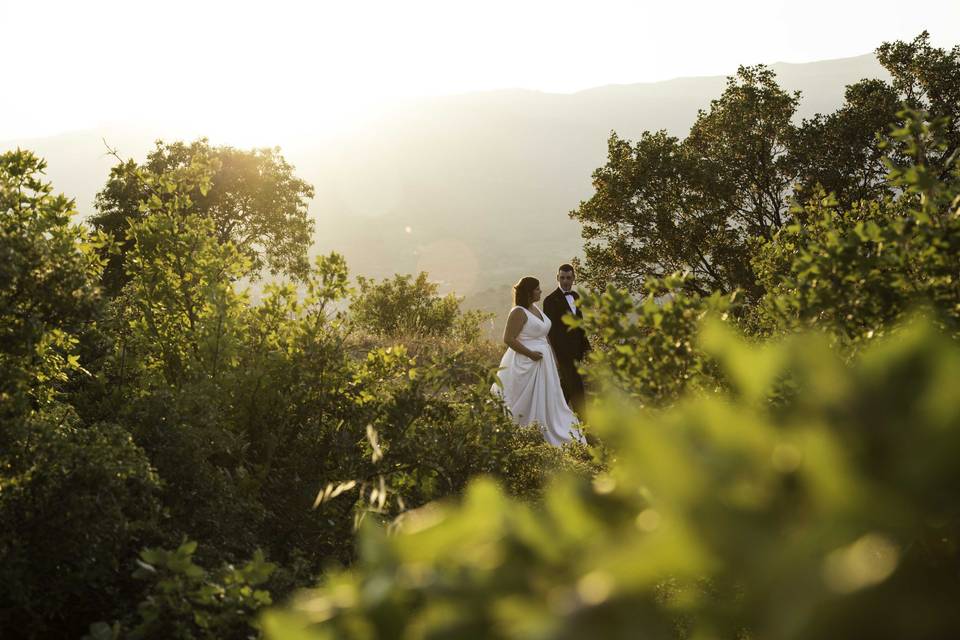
<point x="255" y="70"/>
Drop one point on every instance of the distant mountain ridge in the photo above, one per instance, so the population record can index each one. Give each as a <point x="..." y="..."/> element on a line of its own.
<point x="473" y="188"/>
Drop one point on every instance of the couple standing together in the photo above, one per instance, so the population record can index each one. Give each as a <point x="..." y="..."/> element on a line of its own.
<point x="539" y="381"/>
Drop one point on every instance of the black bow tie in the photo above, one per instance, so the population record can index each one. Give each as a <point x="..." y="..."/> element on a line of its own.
<point x="572" y="294"/>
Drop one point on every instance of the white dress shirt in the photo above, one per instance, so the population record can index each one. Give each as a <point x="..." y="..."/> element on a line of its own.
<point x="570" y="301"/>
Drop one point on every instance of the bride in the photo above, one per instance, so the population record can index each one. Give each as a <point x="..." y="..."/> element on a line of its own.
<point x="528" y="371"/>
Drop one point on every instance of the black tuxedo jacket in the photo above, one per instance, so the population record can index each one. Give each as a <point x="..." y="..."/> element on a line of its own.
<point x="570" y="344"/>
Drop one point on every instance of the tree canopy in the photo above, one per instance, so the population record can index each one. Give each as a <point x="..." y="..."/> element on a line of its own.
<point x="254" y="201"/>
<point x="704" y="204"/>
<point x="49" y="273"/>
<point x="772" y="462"/>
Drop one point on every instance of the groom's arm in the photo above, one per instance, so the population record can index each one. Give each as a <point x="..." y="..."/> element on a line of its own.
<point x="562" y="339"/>
<point x="557" y="328"/>
<point x="550" y="309"/>
<point x="585" y="344"/>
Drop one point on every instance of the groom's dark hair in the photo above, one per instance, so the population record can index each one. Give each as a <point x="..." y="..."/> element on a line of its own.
<point x="523" y="291"/>
<point x="566" y="267"/>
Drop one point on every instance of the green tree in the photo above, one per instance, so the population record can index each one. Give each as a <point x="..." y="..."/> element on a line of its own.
<point x="254" y="201"/>
<point x="631" y="225"/>
<point x="662" y="205"/>
<point x="49" y="269"/>
<point x="180" y="310"/>
<point x="857" y="270"/>
<point x="842" y="153"/>
<point x="928" y="79"/>
<point x="704" y="204"/>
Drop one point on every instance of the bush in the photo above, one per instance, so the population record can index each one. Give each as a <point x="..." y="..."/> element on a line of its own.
<point x="833" y="515"/>
<point x="858" y="271"/>
<point x="184" y="601"/>
<point x="413" y="434"/>
<point x="245" y="411"/>
<point x="76" y="502"/>
<point x="405" y="306"/>
<point x="48" y="274"/>
<point x="201" y="461"/>
<point x="646" y="348"/>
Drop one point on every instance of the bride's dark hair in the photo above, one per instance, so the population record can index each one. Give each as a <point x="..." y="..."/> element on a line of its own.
<point x="523" y="291"/>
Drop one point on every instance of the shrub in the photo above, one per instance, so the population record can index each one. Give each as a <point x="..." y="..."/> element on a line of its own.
<point x="184" y="601"/>
<point x="404" y="306"/>
<point x="646" y="347"/>
<point x="76" y="502"/>
<point x="723" y="516"/>
<point x="856" y="272"/>
<point x="48" y="274"/>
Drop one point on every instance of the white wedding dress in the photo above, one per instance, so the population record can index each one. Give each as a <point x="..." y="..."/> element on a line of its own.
<point x="531" y="388"/>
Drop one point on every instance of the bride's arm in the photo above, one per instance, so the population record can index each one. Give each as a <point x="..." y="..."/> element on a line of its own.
<point x="515" y="323"/>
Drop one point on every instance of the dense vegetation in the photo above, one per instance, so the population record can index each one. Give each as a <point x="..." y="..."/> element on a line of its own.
<point x="704" y="204"/>
<point x="774" y="399"/>
<point x="776" y="405"/>
<point x="177" y="408"/>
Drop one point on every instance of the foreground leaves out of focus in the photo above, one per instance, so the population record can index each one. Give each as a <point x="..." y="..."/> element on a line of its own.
<point x="159" y="401"/>
<point x="830" y="513"/>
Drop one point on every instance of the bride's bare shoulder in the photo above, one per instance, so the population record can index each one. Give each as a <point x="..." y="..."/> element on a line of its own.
<point x="517" y="312"/>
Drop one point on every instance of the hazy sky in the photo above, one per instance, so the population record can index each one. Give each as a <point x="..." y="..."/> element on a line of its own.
<point x="257" y="69"/>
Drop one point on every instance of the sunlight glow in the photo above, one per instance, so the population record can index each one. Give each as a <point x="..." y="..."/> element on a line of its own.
<point x="257" y="72"/>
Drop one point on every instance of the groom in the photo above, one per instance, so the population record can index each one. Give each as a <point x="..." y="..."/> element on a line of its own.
<point x="569" y="344"/>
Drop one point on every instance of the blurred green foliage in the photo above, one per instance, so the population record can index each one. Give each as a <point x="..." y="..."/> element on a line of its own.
<point x="832" y="515"/>
<point x="647" y="347"/>
<point x="775" y="438"/>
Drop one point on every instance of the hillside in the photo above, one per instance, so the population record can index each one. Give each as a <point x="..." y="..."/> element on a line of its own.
<point x="473" y="188"/>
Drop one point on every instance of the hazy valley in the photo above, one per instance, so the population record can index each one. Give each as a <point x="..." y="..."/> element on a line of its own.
<point x="474" y="188"/>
